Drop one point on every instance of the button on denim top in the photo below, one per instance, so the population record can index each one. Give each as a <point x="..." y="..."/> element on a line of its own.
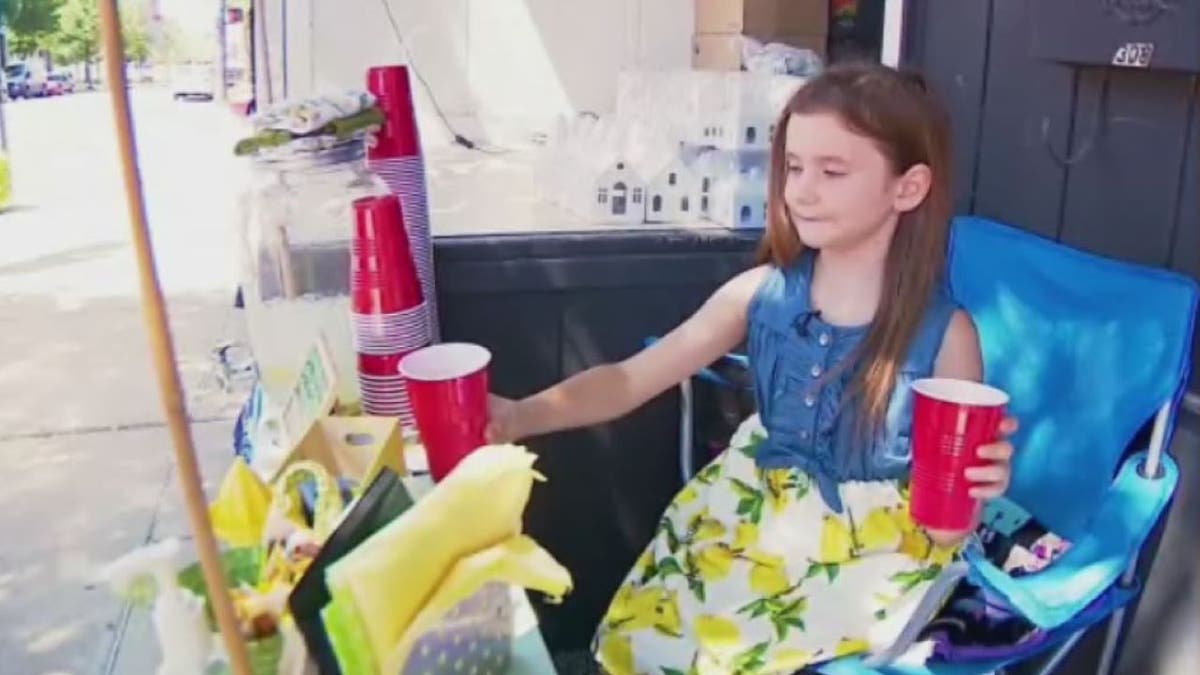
<point x="809" y="426"/>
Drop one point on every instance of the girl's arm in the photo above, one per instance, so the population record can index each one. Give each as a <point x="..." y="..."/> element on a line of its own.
<point x="609" y="391"/>
<point x="959" y="356"/>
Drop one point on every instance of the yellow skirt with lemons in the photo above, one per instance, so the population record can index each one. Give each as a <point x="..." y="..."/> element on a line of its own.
<point x="751" y="572"/>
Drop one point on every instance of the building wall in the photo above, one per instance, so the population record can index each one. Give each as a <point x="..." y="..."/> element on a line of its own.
<point x="1102" y="159"/>
<point x="504" y="63"/>
<point x="1099" y="158"/>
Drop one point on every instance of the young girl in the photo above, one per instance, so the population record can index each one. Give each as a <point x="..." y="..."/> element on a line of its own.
<point x="795" y="545"/>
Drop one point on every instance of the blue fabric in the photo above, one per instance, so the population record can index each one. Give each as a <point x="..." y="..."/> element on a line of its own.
<point x="1088" y="348"/>
<point x="799" y="363"/>
<point x="1096" y="560"/>
<point x="247" y="421"/>
<point x="1114" y="599"/>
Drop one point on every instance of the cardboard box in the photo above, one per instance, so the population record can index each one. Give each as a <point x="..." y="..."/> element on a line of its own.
<point x="724" y="52"/>
<point x="357" y="448"/>
<point x="762" y="18"/>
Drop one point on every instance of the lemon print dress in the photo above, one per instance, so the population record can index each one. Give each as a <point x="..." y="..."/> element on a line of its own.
<point x="794" y="546"/>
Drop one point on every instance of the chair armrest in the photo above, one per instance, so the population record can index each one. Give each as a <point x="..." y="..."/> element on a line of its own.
<point x="1097" y="559"/>
<point x="709" y="375"/>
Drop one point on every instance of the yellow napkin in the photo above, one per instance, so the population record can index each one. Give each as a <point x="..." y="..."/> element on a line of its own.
<point x="408" y="574"/>
<point x="518" y="560"/>
<point x="240" y="509"/>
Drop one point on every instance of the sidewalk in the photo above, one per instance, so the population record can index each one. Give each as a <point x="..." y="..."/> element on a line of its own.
<point x="83" y="500"/>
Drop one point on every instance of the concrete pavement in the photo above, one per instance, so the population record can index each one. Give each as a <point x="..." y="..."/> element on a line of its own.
<point x="75" y="502"/>
<point x="68" y="287"/>
<point x="89" y="465"/>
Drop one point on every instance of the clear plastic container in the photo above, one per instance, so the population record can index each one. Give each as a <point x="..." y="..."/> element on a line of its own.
<point x="297" y="225"/>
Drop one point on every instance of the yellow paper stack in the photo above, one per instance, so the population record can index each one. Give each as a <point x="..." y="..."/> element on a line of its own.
<point x="463" y="534"/>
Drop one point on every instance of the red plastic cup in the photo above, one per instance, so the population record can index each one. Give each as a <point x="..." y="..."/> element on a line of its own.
<point x="393" y="92"/>
<point x="383" y="279"/>
<point x="379" y="365"/>
<point x="951" y="419"/>
<point x="448" y="389"/>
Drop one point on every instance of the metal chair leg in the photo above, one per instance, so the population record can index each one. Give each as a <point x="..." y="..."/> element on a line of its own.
<point x="686" y="403"/>
<point x="1151" y="469"/>
<point x="1061" y="654"/>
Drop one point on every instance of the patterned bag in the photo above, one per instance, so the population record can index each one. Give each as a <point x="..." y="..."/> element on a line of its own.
<point x="977" y="624"/>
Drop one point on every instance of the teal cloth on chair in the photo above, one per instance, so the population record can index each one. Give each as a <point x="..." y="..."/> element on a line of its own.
<point x="1097" y="558"/>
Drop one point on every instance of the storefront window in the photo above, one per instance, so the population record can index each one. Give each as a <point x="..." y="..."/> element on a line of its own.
<point x="669" y="104"/>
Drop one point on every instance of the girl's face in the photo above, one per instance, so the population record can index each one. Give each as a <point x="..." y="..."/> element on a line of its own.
<point x="840" y="189"/>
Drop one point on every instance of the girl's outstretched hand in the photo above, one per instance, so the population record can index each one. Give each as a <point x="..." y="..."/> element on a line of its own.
<point x="503" y="423"/>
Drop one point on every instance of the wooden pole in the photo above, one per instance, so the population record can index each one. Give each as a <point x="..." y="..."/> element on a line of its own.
<point x="161" y="347"/>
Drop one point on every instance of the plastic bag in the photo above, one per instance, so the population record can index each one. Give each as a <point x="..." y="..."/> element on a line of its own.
<point x="779" y="59"/>
<point x="239" y="512"/>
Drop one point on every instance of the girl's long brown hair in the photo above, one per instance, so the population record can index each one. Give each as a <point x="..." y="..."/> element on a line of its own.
<point x="910" y="127"/>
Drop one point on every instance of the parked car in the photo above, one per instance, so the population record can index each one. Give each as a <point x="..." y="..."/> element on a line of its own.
<point x="193" y="80"/>
<point x="24" y="82"/>
<point x="60" y="83"/>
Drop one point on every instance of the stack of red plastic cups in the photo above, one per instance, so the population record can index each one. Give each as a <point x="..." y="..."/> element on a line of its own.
<point x="395" y="156"/>
<point x="389" y="313"/>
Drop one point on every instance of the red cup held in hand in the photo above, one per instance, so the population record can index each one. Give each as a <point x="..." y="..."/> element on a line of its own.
<point x="447" y="386"/>
<point x="951" y="420"/>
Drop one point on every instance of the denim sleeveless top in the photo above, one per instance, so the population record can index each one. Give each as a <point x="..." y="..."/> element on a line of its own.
<point x="809" y="426"/>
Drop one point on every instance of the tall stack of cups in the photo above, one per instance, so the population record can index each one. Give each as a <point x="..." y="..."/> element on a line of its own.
<point x="395" y="156"/>
<point x="389" y="312"/>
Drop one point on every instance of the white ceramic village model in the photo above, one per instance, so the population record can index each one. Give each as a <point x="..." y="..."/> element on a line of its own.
<point x="682" y="146"/>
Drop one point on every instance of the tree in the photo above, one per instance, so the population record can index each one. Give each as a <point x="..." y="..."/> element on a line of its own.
<point x="135" y="28"/>
<point x="31" y="24"/>
<point x="78" y="36"/>
<point x="8" y="8"/>
<point x="173" y="44"/>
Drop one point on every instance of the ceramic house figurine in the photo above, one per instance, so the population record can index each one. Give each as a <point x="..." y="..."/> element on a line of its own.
<point x="737" y="111"/>
<point x="682" y="145"/>
<point x="604" y="184"/>
<point x="671" y="187"/>
<point x="670" y="183"/>
<point x="739" y="201"/>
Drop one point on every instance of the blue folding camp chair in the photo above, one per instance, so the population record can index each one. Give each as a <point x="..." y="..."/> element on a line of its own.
<point x="1091" y="350"/>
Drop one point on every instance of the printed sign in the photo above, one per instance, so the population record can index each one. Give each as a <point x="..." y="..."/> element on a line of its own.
<point x="313" y="395"/>
<point x="1134" y="55"/>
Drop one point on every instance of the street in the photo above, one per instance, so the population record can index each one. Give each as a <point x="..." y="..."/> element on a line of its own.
<point x="88" y="462"/>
